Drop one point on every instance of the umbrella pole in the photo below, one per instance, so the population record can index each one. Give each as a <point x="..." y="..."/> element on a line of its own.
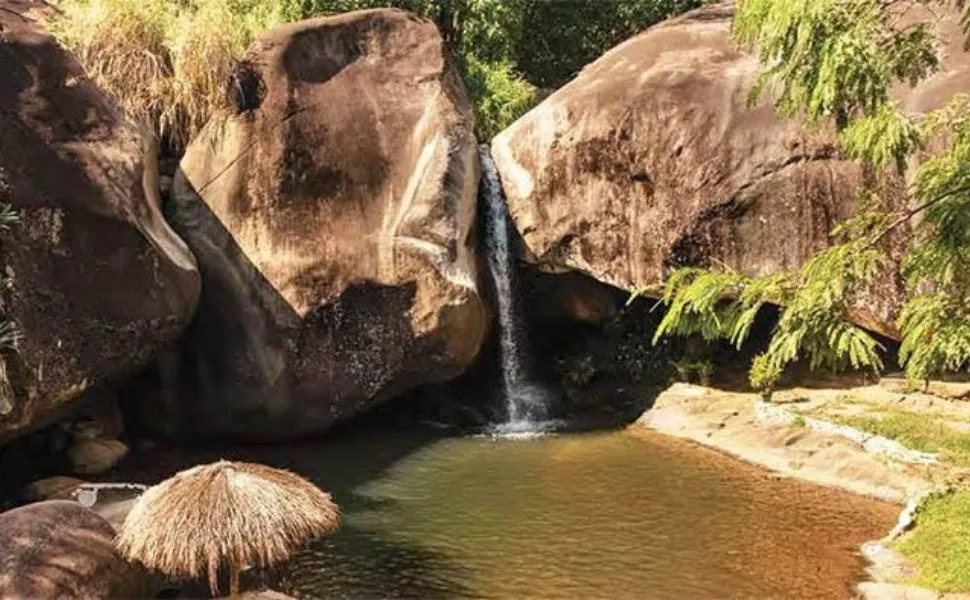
<point x="233" y="582"/>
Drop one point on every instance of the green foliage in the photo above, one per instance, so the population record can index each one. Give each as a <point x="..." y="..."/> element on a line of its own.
<point x="937" y="340"/>
<point x="9" y="332"/>
<point x="919" y="431"/>
<point x="832" y="58"/>
<point x="563" y="36"/>
<point x="814" y="323"/>
<point x="939" y="546"/>
<point x="690" y="370"/>
<point x="8" y="216"/>
<point x="838" y="60"/>
<point x="764" y="375"/>
<point x="885" y="138"/>
<point x="499" y="95"/>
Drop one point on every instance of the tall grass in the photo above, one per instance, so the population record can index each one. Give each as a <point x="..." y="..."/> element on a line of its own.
<point x="167" y="62"/>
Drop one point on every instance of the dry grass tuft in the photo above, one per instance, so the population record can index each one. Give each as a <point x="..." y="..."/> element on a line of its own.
<point x="166" y="62"/>
<point x="225" y="515"/>
<point x="123" y="47"/>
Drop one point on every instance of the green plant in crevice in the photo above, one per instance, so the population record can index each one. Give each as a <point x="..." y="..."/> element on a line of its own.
<point x="764" y="376"/>
<point x="836" y="61"/>
<point x="9" y="332"/>
<point x="499" y="95"/>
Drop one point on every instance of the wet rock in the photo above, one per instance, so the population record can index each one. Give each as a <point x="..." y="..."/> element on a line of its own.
<point x="653" y="158"/>
<point x="59" y="549"/>
<point x="98" y="280"/>
<point x="332" y="218"/>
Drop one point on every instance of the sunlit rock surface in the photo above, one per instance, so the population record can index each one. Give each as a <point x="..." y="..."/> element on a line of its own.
<point x="332" y="217"/>
<point x="653" y="158"/>
<point x="98" y="281"/>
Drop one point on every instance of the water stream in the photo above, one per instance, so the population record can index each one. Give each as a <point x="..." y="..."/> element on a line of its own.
<point x="525" y="401"/>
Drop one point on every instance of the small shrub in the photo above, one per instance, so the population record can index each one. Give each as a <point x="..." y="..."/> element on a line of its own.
<point x="764" y="376"/>
<point x="499" y="95"/>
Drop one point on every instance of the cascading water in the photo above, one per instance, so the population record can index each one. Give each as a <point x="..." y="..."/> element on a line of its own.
<point x="525" y="402"/>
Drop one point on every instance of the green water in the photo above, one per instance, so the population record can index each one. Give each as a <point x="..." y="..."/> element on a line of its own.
<point x="574" y="516"/>
<point x="605" y="515"/>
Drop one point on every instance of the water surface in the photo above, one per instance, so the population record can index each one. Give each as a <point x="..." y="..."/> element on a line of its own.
<point x="581" y="515"/>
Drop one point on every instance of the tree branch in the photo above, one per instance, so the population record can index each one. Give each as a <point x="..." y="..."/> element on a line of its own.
<point x="909" y="214"/>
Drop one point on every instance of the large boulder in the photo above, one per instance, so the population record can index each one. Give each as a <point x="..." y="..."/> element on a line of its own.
<point x="653" y="158"/>
<point x="59" y="549"/>
<point x="332" y="217"/>
<point x="97" y="281"/>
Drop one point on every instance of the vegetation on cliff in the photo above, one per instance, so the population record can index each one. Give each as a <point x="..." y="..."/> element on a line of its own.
<point x="9" y="332"/>
<point x="169" y="62"/>
<point x="836" y="61"/>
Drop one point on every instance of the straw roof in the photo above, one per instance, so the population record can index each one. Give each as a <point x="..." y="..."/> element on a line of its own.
<point x="226" y="514"/>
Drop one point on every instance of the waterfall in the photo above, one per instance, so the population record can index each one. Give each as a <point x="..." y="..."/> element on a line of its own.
<point x="525" y="402"/>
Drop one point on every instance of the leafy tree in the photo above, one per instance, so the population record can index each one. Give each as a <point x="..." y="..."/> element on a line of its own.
<point x="565" y="35"/>
<point x="837" y="60"/>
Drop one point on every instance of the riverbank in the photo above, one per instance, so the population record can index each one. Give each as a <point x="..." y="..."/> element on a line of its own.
<point x="877" y="441"/>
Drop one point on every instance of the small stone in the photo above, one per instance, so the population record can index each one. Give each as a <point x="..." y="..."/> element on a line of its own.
<point x="95" y="456"/>
<point x="890" y="591"/>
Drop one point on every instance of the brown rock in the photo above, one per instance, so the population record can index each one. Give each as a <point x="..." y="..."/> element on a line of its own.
<point x="652" y="158"/>
<point x="95" y="456"/>
<point x="98" y="280"/>
<point x="332" y="218"/>
<point x="59" y="549"/>
<point x="52" y="488"/>
<point x="730" y="423"/>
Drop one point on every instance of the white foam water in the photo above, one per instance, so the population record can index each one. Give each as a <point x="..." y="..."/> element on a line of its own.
<point x="526" y="403"/>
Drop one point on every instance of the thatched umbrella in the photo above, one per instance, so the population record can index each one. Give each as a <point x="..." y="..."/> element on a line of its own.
<point x="225" y="514"/>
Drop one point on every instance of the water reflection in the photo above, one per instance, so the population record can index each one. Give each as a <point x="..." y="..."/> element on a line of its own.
<point x="570" y="515"/>
<point x="594" y="515"/>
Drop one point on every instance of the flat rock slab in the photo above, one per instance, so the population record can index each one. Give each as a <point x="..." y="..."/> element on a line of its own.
<point x="728" y="422"/>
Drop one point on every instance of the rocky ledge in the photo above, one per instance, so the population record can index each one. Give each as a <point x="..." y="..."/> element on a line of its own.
<point x="740" y="425"/>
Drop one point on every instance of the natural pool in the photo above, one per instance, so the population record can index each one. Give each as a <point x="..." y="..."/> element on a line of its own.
<point x="572" y="515"/>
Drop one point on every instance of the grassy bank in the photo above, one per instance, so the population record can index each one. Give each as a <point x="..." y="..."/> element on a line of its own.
<point x="940" y="543"/>
<point x="918" y="431"/>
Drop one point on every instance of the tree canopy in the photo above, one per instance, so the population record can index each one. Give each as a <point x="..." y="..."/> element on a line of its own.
<point x="837" y="61"/>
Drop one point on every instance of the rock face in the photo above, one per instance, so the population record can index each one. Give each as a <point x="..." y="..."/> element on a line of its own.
<point x="735" y="424"/>
<point x="98" y="281"/>
<point x="95" y="456"/>
<point x="59" y="549"/>
<point x="332" y="218"/>
<point x="652" y="158"/>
